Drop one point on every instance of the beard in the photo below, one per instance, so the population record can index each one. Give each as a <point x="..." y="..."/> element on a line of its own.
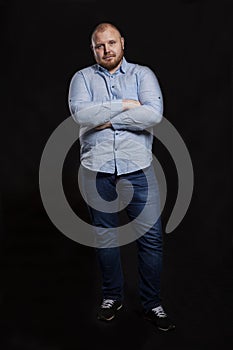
<point x="112" y="64"/>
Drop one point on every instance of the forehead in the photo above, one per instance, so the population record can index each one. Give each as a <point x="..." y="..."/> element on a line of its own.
<point x="106" y="35"/>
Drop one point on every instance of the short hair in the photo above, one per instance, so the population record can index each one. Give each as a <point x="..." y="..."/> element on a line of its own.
<point x="101" y="27"/>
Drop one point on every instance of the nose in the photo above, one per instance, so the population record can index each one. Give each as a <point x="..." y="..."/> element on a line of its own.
<point x="106" y="48"/>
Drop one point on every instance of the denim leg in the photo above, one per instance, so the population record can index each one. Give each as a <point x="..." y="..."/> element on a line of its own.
<point x="112" y="277"/>
<point x="105" y="228"/>
<point x="149" y="244"/>
<point x="150" y="266"/>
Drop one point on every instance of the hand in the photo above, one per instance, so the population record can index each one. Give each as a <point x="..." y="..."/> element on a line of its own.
<point x="104" y="126"/>
<point x="128" y="104"/>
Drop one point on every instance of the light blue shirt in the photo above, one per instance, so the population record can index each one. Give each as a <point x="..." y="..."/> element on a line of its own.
<point x="95" y="97"/>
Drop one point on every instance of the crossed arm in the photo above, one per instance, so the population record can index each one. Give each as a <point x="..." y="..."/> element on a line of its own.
<point x="126" y="104"/>
<point x="125" y="114"/>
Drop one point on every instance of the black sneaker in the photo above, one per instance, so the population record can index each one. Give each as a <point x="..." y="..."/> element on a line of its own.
<point x="159" y="318"/>
<point x="108" y="309"/>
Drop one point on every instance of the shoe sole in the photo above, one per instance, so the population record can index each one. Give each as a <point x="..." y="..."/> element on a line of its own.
<point x="109" y="319"/>
<point x="161" y="329"/>
<point x="166" y="329"/>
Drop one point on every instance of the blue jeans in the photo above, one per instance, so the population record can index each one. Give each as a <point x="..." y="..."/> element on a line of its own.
<point x="149" y="243"/>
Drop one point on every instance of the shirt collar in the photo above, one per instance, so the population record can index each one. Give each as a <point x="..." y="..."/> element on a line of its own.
<point x="122" y="67"/>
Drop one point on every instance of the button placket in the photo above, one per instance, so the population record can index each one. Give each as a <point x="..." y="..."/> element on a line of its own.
<point x="116" y="141"/>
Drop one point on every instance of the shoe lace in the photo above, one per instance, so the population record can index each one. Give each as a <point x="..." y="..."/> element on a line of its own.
<point x="159" y="311"/>
<point x="107" y="303"/>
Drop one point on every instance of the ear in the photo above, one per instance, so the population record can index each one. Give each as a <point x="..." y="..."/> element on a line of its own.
<point x="123" y="42"/>
<point x="91" y="47"/>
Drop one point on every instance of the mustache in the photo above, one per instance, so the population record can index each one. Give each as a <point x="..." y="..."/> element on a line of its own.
<point x="107" y="56"/>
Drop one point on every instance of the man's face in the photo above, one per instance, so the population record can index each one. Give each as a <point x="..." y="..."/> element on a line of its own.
<point x="108" y="49"/>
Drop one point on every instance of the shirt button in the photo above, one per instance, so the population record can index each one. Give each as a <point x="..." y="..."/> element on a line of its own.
<point x="113" y="87"/>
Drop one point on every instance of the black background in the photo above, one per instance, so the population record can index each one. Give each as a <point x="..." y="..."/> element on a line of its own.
<point x="49" y="283"/>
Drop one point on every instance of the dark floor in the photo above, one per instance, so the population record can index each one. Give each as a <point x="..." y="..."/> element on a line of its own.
<point x="51" y="288"/>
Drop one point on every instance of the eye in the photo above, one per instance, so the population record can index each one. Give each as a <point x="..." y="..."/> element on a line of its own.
<point x="112" y="42"/>
<point x="99" y="46"/>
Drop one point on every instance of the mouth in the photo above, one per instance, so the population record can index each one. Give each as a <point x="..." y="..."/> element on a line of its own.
<point x="108" y="57"/>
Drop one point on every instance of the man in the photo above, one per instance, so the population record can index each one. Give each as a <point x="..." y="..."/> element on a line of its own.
<point x="116" y="104"/>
